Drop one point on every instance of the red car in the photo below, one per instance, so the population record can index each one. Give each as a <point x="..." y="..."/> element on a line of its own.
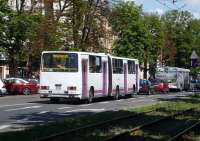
<point x="18" y="85"/>
<point x="160" y="86"/>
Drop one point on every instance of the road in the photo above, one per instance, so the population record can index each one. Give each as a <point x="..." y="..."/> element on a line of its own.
<point x="19" y="112"/>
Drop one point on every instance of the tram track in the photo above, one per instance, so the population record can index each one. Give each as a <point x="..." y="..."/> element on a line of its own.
<point x="93" y="126"/>
<point x="147" y="131"/>
<point x="142" y="123"/>
<point x="180" y="135"/>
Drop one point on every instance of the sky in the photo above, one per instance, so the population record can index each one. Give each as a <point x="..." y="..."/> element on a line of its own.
<point x="160" y="6"/>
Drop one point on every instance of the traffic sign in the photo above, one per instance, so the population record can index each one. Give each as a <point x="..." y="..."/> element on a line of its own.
<point x="194" y="59"/>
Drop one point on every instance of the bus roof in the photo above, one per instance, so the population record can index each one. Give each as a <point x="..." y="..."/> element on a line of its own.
<point x="173" y="68"/>
<point x="91" y="53"/>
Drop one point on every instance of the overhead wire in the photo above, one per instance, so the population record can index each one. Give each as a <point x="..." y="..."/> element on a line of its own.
<point x="164" y="4"/>
<point x="173" y="2"/>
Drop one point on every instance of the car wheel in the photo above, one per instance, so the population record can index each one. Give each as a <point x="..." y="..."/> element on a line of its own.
<point x="26" y="91"/>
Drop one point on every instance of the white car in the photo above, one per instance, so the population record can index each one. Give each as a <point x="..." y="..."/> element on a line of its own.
<point x="3" y="90"/>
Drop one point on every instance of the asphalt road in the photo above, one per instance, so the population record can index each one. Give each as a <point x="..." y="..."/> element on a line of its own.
<point x="19" y="112"/>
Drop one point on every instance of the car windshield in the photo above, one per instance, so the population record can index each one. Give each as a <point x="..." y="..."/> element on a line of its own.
<point x="143" y="82"/>
<point x="35" y="81"/>
<point x="60" y="62"/>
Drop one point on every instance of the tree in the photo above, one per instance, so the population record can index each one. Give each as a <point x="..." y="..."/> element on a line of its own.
<point x="88" y="24"/>
<point x="138" y="35"/>
<point x="156" y="35"/>
<point x="193" y="31"/>
<point x="16" y="31"/>
<point x="178" y="39"/>
<point x="131" y="33"/>
<point x="83" y="23"/>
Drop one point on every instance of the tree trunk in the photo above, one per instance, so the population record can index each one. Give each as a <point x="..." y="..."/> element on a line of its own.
<point x="145" y="69"/>
<point x="12" y="67"/>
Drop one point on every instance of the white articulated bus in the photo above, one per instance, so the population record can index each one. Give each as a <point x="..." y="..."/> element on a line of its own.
<point x="84" y="75"/>
<point x="177" y="78"/>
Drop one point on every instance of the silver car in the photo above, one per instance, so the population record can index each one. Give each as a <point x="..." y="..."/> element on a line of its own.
<point x="3" y="90"/>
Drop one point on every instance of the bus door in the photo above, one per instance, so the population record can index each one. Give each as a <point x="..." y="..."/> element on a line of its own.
<point x="125" y="79"/>
<point x="84" y="64"/>
<point x="105" y="73"/>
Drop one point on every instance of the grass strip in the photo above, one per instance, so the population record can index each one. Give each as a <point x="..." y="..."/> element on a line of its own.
<point x="166" y="107"/>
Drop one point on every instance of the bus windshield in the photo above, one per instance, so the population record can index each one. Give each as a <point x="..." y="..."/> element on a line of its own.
<point x="60" y="62"/>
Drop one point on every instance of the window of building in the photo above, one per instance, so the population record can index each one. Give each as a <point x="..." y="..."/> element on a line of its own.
<point x="95" y="64"/>
<point x="131" y="67"/>
<point x="117" y="65"/>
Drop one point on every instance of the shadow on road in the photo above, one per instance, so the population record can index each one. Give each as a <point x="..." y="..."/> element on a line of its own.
<point x="58" y="122"/>
<point x="76" y="101"/>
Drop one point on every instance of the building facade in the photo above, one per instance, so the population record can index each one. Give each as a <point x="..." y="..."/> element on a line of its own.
<point x="4" y="70"/>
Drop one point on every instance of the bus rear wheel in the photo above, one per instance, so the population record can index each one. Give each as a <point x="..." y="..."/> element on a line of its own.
<point x="116" y="97"/>
<point x="91" y="95"/>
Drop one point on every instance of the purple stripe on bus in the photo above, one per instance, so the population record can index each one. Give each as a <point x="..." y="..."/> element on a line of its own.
<point x="104" y="78"/>
<point x="85" y="77"/>
<point x="125" y="78"/>
<point x="96" y="91"/>
<point x="137" y="67"/>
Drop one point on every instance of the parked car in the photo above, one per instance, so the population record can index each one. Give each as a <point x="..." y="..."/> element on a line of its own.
<point x="195" y="84"/>
<point x="160" y="86"/>
<point x="3" y="90"/>
<point x="145" y="87"/>
<point x="18" y="85"/>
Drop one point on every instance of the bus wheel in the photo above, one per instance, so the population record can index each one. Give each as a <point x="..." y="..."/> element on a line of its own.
<point x="91" y="95"/>
<point x="134" y="91"/>
<point x="116" y="97"/>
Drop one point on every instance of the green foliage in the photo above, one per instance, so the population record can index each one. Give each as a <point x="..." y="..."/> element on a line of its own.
<point x="128" y="25"/>
<point x="194" y="71"/>
<point x="147" y="37"/>
<point x="156" y="36"/>
<point x="16" y="33"/>
<point x="138" y="35"/>
<point x="179" y="28"/>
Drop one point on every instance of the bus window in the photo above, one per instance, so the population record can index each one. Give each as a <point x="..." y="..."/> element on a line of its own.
<point x="94" y="64"/>
<point x="117" y="65"/>
<point x="131" y="67"/>
<point x="60" y="62"/>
